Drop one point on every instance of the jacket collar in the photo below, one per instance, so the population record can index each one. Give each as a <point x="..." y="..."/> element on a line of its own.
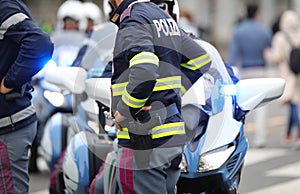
<point x="115" y="18"/>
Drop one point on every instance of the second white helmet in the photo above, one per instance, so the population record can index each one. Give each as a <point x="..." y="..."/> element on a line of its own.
<point x="93" y="12"/>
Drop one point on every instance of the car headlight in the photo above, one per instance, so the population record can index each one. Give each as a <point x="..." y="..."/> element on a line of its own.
<point x="57" y="99"/>
<point x="214" y="160"/>
<point x="183" y="165"/>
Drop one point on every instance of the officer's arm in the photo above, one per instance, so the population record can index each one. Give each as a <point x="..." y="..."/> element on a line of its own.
<point x="143" y="68"/>
<point x="196" y="60"/>
<point x="35" y="47"/>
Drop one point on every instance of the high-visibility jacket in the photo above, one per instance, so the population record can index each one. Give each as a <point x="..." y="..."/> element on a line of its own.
<point x="24" y="50"/>
<point x="149" y="52"/>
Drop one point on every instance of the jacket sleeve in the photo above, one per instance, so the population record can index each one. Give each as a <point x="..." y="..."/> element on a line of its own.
<point x="35" y="47"/>
<point x="143" y="66"/>
<point x="195" y="61"/>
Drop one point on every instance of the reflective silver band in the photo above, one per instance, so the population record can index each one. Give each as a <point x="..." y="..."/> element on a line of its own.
<point x="6" y="121"/>
<point x="12" y="20"/>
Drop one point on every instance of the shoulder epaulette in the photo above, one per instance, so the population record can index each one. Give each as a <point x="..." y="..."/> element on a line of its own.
<point x="126" y="13"/>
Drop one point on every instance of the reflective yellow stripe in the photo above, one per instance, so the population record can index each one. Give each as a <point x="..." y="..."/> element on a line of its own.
<point x="118" y="93"/>
<point x="169" y="133"/>
<point x="169" y="79"/>
<point x="168" y="87"/>
<point x="167" y="83"/>
<point x="119" y="85"/>
<point x="144" y="57"/>
<point x="163" y="130"/>
<point x="123" y="134"/>
<point x="133" y="102"/>
<point x="168" y="130"/>
<point x="118" y="89"/>
<point x="198" y="62"/>
<point x="182" y="90"/>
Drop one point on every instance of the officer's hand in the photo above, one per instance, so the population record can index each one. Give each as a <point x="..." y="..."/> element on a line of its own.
<point x="3" y="89"/>
<point x="118" y="117"/>
<point x="145" y="108"/>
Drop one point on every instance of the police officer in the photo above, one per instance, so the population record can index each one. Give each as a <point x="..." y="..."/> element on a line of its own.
<point x="24" y="49"/>
<point x="150" y="51"/>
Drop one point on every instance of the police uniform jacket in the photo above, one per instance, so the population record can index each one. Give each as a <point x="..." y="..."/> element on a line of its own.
<point x="149" y="53"/>
<point x="24" y="50"/>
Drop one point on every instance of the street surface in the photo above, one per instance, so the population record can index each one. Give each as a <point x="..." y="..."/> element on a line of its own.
<point x="274" y="169"/>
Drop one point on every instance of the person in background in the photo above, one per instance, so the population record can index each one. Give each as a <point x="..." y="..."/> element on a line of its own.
<point x="24" y="51"/>
<point x="93" y="17"/>
<point x="278" y="54"/>
<point x="250" y="39"/>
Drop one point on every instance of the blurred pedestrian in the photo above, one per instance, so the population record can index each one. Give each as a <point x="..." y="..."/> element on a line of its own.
<point x="24" y="50"/>
<point x="283" y="40"/>
<point x="249" y="40"/>
<point x="93" y="16"/>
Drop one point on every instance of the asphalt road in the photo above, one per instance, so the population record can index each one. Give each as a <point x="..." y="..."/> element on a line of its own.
<point x="274" y="169"/>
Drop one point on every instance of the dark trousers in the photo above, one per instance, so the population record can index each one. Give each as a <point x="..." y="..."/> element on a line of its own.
<point x="293" y="119"/>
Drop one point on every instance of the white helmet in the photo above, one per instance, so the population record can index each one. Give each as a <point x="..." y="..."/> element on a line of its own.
<point x="93" y="12"/>
<point x="70" y="9"/>
<point x="107" y="9"/>
<point x="169" y="5"/>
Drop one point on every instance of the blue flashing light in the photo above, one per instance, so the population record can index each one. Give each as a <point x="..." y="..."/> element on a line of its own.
<point x="50" y="64"/>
